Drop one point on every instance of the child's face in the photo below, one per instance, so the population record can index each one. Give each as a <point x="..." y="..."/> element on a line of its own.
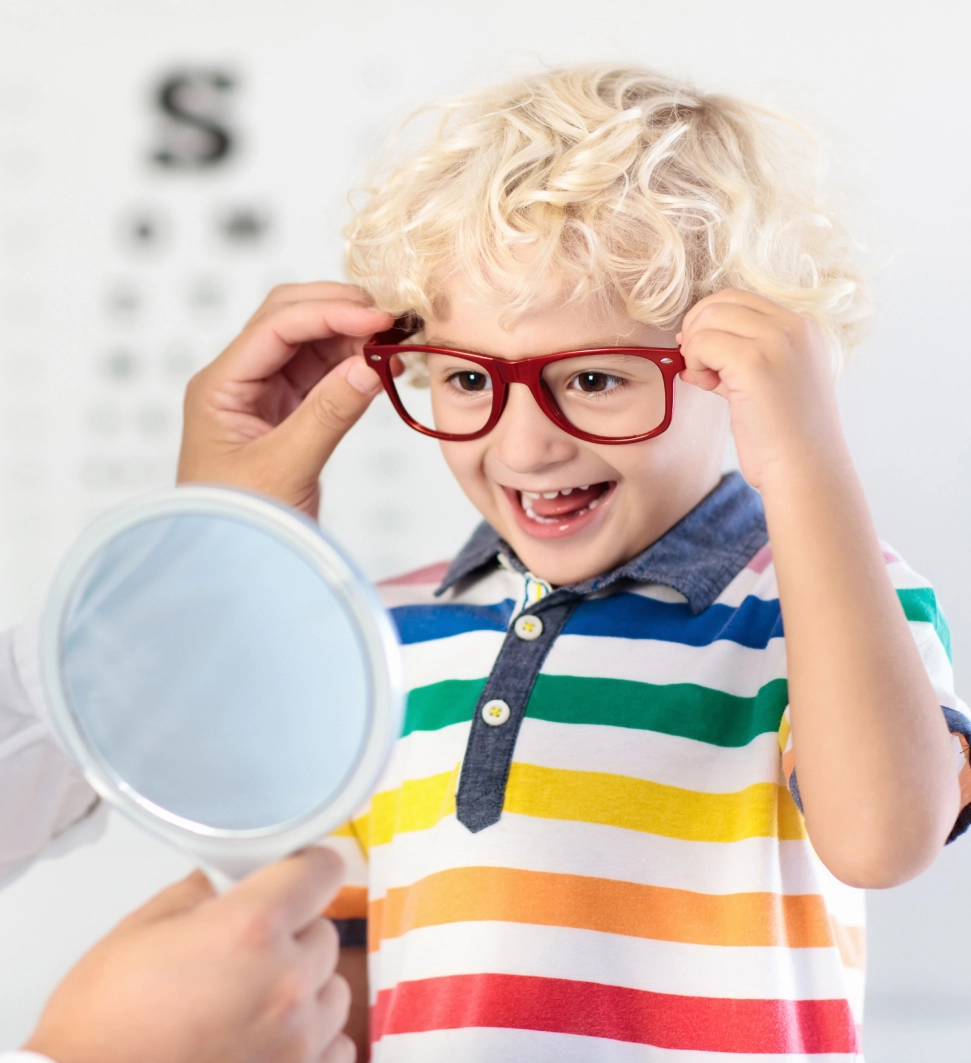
<point x="637" y="490"/>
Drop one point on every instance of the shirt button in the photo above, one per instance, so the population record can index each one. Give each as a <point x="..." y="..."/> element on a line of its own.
<point x="495" y="712"/>
<point x="528" y="627"/>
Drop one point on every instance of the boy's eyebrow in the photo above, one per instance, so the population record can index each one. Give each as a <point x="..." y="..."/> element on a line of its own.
<point x="431" y="341"/>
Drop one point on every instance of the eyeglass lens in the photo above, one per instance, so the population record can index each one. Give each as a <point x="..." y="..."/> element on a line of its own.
<point x="608" y="395"/>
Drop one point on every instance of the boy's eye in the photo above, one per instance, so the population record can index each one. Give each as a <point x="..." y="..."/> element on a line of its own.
<point x="592" y="382"/>
<point x="470" y="381"/>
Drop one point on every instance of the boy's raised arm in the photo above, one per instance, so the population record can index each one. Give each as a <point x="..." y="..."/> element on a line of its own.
<point x="874" y="758"/>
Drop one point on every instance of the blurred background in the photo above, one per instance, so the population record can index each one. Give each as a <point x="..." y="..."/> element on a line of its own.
<point x="164" y="162"/>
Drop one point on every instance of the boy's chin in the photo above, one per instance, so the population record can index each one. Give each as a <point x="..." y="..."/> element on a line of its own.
<point x="561" y="564"/>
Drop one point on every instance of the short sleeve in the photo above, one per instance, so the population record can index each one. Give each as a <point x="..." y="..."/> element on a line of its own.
<point x="933" y="638"/>
<point x="348" y="909"/>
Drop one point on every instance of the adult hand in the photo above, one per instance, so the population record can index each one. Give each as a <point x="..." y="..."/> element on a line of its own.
<point x="194" y="978"/>
<point x="268" y="412"/>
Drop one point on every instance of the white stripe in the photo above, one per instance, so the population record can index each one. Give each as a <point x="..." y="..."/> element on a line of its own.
<point x="470" y="655"/>
<point x="904" y="577"/>
<point x="727" y="971"/>
<point x="933" y="654"/>
<point x="649" y="755"/>
<point x="723" y="665"/>
<point x="486" y="1044"/>
<point x="750" y="584"/>
<point x="424" y="753"/>
<point x="752" y="865"/>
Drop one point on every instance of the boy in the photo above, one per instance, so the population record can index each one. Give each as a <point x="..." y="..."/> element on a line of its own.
<point x="628" y="818"/>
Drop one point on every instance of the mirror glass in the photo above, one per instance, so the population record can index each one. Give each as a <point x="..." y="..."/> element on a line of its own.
<point x="214" y="673"/>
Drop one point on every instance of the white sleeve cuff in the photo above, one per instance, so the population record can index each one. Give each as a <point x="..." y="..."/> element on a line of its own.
<point x="24" y="1057"/>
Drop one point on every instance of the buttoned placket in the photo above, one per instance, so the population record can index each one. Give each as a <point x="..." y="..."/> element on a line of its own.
<point x="501" y="707"/>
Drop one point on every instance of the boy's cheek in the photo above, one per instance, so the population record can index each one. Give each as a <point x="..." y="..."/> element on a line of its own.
<point x="466" y="461"/>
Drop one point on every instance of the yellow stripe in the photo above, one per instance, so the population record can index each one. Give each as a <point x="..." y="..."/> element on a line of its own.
<point x="344" y="831"/>
<point x="760" y="810"/>
<point x="417" y="805"/>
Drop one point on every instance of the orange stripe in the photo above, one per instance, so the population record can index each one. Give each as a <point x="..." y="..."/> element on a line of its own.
<point x="607" y="905"/>
<point x="350" y="903"/>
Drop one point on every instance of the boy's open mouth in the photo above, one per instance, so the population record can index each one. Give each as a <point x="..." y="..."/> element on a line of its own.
<point x="553" y="514"/>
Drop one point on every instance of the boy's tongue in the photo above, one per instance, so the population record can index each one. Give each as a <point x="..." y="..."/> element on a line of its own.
<point x="578" y="498"/>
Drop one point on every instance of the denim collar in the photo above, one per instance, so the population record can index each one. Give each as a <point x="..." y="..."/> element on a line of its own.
<point x="699" y="556"/>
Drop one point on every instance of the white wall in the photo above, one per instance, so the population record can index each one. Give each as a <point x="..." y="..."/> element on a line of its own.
<point x="97" y="335"/>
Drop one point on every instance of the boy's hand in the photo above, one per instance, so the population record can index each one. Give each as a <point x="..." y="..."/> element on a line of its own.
<point x="774" y="368"/>
<point x="268" y="412"/>
<point x="193" y="978"/>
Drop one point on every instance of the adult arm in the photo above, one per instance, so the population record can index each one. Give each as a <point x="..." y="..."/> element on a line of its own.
<point x="45" y="804"/>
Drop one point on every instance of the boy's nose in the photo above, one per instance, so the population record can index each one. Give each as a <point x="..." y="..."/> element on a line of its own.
<point x="525" y="439"/>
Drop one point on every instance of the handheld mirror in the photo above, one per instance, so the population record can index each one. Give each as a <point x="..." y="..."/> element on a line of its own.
<point x="222" y="674"/>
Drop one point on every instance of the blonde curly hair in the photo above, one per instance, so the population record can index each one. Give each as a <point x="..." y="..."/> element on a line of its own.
<point x="624" y="185"/>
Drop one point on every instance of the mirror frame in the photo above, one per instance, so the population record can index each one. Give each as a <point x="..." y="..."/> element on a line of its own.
<point x="234" y="852"/>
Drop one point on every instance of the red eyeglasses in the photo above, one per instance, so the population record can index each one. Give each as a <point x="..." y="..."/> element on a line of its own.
<point x="602" y="395"/>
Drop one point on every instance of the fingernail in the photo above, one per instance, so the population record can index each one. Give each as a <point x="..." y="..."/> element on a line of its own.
<point x="363" y="378"/>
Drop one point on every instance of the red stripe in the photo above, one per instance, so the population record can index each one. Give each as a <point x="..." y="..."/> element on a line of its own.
<point x="560" y="1005"/>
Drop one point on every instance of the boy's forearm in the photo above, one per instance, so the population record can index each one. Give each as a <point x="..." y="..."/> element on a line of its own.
<point x="873" y="755"/>
<point x="353" y="966"/>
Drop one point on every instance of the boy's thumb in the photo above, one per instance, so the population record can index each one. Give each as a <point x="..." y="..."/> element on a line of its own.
<point x="307" y="438"/>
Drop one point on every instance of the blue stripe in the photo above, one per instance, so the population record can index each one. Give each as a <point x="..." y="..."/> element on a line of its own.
<point x="422" y="623"/>
<point x="632" y="616"/>
<point x="628" y="616"/>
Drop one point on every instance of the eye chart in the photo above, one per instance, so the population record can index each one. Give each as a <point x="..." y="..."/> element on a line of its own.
<point x="160" y="170"/>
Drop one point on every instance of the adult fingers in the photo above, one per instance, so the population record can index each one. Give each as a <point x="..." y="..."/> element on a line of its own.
<point x="271" y="340"/>
<point x="307" y="438"/>
<point x="292" y="293"/>
<point x="299" y="887"/>
<point x="320" y="946"/>
<point x="180" y="897"/>
<point x="340" y="1050"/>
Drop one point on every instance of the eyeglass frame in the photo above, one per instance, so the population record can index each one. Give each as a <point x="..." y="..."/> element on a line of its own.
<point x="383" y="346"/>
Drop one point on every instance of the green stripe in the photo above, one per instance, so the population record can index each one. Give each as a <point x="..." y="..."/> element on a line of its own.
<point x="681" y="709"/>
<point x="442" y="704"/>
<point x="920" y="604"/>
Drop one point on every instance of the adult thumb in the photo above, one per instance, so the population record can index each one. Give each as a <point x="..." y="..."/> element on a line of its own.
<point x="178" y="898"/>
<point x="307" y="438"/>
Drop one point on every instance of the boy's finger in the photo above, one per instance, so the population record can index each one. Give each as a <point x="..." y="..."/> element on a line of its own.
<point x="713" y="349"/>
<point x="758" y="303"/>
<point x="733" y="318"/>
<point x="299" y="887"/>
<point x="269" y="342"/>
<point x="307" y="438"/>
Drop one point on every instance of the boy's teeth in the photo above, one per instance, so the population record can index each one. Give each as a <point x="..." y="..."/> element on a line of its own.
<point x="550" y="494"/>
<point x="585" y="487"/>
<point x="530" y="496"/>
<point x="567" y="491"/>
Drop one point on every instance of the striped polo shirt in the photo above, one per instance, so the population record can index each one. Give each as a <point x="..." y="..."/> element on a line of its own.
<point x="588" y="844"/>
